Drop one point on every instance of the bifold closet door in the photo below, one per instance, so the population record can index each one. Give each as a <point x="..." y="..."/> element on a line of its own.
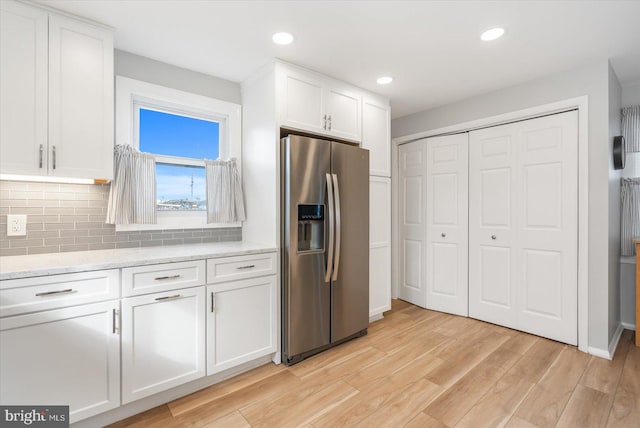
<point x="447" y="224"/>
<point x="412" y="160"/>
<point x="523" y="225"/>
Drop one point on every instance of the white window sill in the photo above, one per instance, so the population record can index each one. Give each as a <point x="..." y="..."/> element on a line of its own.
<point x="181" y="220"/>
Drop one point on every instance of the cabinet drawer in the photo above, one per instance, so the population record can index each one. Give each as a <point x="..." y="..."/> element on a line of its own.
<point x="168" y="276"/>
<point x="239" y="267"/>
<point x="18" y="296"/>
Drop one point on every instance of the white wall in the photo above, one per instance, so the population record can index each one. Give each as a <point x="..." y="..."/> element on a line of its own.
<point x="615" y="104"/>
<point x="593" y="81"/>
<point x="160" y="73"/>
<point x="631" y="94"/>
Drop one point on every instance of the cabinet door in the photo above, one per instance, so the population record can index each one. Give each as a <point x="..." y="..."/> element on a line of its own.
<point x="62" y="357"/>
<point x="241" y="322"/>
<point x="376" y="136"/>
<point x="23" y="89"/>
<point x="163" y="338"/>
<point x="447" y="226"/>
<point x="80" y="99"/>
<point x="302" y="101"/>
<point x="343" y="113"/>
<point x="379" y="245"/>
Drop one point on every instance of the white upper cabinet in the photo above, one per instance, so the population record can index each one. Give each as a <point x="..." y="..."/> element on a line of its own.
<point x="80" y="99"/>
<point x="23" y="89"/>
<point x="56" y="98"/>
<point x="343" y="113"/>
<point x="302" y="101"/>
<point x="314" y="103"/>
<point x="376" y="135"/>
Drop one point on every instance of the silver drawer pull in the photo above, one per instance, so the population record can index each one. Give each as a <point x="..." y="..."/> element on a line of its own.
<point x="49" y="293"/>
<point x="158" y="299"/>
<point x="160" y="278"/>
<point x="246" y="267"/>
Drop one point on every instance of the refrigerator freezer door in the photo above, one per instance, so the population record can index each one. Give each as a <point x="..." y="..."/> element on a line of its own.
<point x="306" y="306"/>
<point x="350" y="291"/>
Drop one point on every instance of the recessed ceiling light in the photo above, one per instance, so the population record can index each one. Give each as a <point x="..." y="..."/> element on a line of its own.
<point x="384" y="80"/>
<point x="282" y="38"/>
<point x="492" y="34"/>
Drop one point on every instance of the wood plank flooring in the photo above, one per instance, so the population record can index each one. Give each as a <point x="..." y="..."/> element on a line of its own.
<point x="420" y="368"/>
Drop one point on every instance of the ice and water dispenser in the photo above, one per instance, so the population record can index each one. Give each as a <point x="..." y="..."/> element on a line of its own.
<point x="310" y="227"/>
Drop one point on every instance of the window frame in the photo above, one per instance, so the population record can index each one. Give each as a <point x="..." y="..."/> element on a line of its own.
<point x="131" y="95"/>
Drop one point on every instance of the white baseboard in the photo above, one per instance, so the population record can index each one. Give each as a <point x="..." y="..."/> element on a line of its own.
<point x="375" y="317"/>
<point x="613" y="345"/>
<point x="628" y="326"/>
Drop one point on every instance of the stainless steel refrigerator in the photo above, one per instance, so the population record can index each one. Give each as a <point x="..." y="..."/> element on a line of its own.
<point x="325" y="242"/>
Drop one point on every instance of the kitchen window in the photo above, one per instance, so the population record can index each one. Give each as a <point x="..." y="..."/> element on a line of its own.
<point x="182" y="130"/>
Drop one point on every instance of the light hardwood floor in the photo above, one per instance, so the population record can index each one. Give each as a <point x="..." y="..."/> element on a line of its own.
<point x="420" y="368"/>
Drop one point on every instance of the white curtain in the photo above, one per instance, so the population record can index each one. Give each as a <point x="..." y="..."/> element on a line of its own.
<point x="132" y="198"/>
<point x="631" y="127"/>
<point x="225" y="201"/>
<point x="630" y="224"/>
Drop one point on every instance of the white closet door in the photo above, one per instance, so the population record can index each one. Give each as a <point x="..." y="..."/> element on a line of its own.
<point x="548" y="232"/>
<point x="492" y="197"/>
<point x="411" y="194"/>
<point x="447" y="226"/>
<point x="523" y="226"/>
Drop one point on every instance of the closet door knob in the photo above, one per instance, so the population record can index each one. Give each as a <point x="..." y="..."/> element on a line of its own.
<point x="444" y="235"/>
<point x="494" y="237"/>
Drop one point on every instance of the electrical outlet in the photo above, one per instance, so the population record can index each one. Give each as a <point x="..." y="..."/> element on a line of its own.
<point x="16" y="225"/>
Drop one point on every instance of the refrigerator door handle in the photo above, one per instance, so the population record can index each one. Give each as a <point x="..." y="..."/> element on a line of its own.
<point x="336" y="190"/>
<point x="327" y="274"/>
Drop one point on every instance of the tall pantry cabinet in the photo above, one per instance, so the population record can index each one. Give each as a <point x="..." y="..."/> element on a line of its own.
<point x="283" y="98"/>
<point x="56" y="94"/>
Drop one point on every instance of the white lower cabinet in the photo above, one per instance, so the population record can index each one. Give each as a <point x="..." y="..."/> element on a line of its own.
<point x="67" y="356"/>
<point x="163" y="341"/>
<point x="241" y="322"/>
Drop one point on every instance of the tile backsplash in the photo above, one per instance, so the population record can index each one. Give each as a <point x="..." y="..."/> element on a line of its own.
<point x="70" y="217"/>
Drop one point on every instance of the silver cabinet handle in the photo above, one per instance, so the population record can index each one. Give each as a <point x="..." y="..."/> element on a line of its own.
<point x="324" y="122"/>
<point x="444" y="235"/>
<point x="213" y="301"/>
<point x="158" y="299"/>
<point x="53" y="152"/>
<point x="327" y="274"/>
<point x="246" y="267"/>
<point x="494" y="237"/>
<point x="337" y="197"/>
<point x="49" y="293"/>
<point x="114" y="315"/>
<point x="161" y="278"/>
<point x="41" y="154"/>
<point x="329" y="122"/>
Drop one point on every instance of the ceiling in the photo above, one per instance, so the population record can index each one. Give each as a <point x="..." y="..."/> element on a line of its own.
<point x="431" y="48"/>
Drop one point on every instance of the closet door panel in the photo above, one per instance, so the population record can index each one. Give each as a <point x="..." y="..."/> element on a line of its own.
<point x="411" y="194"/>
<point x="492" y="198"/>
<point x="447" y="224"/>
<point x="548" y="234"/>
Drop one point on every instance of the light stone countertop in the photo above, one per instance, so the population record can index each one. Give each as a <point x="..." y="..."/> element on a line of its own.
<point x="12" y="267"/>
